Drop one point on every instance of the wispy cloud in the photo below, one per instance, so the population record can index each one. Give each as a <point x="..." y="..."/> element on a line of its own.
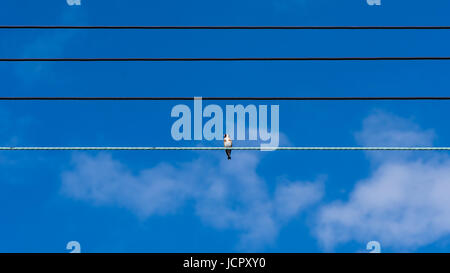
<point x="227" y="194"/>
<point x="403" y="203"/>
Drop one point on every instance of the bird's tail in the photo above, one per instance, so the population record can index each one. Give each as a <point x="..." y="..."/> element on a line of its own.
<point x="228" y="154"/>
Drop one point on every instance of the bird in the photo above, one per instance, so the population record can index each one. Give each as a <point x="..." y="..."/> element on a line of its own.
<point x="227" y="143"/>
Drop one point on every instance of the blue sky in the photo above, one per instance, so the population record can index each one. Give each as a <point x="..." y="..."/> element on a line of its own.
<point x="198" y="201"/>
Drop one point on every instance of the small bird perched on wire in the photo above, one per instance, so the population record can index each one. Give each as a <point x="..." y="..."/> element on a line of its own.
<point x="227" y="143"/>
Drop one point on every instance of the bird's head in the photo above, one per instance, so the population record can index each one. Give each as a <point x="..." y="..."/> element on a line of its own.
<point x="225" y="136"/>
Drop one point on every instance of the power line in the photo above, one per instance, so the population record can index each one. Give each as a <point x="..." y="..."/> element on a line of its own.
<point x="219" y="98"/>
<point x="231" y="27"/>
<point x="225" y="148"/>
<point x="240" y="59"/>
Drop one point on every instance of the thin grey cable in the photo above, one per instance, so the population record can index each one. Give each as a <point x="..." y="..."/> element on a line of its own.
<point x="225" y="148"/>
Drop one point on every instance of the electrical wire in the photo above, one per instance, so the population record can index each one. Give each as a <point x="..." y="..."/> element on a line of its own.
<point x="226" y="148"/>
<point x="229" y="98"/>
<point x="231" y="27"/>
<point x="240" y="59"/>
<point x="220" y="98"/>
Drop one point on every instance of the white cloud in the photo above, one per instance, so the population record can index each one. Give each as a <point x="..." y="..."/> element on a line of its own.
<point x="227" y="194"/>
<point x="404" y="203"/>
<point x="385" y="129"/>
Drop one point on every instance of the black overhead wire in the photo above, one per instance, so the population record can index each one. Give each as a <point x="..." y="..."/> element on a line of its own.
<point x="230" y="27"/>
<point x="240" y="59"/>
<point x="430" y="98"/>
